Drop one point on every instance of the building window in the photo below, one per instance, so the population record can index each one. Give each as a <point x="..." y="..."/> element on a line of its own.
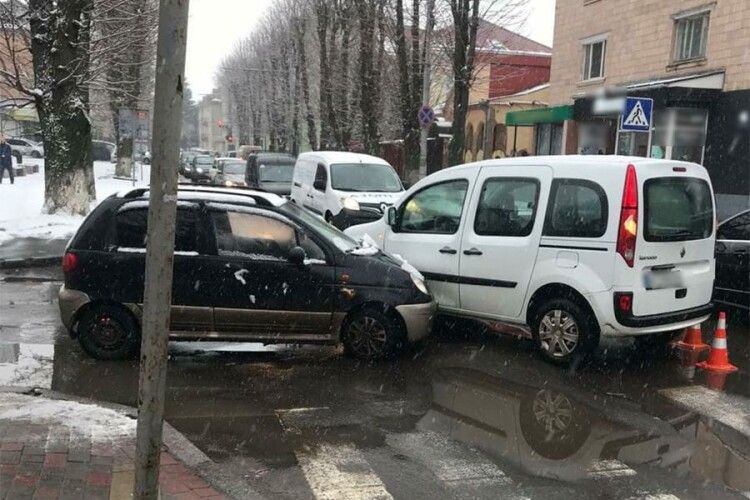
<point x="594" y="53"/>
<point x="690" y="37"/>
<point x="548" y="139"/>
<point x="479" y="144"/>
<point x="500" y="138"/>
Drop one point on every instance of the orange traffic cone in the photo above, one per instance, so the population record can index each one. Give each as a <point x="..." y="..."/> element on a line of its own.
<point x="693" y="341"/>
<point x="716" y="380"/>
<point x="718" y="358"/>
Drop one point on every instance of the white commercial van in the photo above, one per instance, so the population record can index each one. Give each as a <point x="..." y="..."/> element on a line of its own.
<point x="345" y="188"/>
<point x="573" y="247"/>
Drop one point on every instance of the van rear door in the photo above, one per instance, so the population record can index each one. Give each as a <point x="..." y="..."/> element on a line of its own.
<point x="674" y="261"/>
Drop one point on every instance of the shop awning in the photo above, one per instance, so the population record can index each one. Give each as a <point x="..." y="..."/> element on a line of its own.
<point x="554" y="114"/>
<point x="26" y="114"/>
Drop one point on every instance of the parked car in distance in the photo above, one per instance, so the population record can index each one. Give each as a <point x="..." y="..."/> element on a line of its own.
<point x="25" y="147"/>
<point x="231" y="172"/>
<point x="248" y="266"/>
<point x="202" y="168"/>
<point x="103" y="151"/>
<point x="270" y="172"/>
<point x="572" y="247"/>
<point x="345" y="188"/>
<point x="732" y="286"/>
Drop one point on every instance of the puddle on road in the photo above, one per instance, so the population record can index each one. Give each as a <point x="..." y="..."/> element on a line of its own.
<point x="28" y="365"/>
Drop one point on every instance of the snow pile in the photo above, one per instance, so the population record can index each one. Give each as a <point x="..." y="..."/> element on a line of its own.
<point x="28" y="365"/>
<point x="369" y="246"/>
<point x="308" y="262"/>
<point x="22" y="204"/>
<point x="240" y="276"/>
<point x="101" y="423"/>
<point x="413" y="271"/>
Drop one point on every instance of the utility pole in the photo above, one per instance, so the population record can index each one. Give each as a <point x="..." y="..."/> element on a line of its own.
<point x="162" y="212"/>
<point x="426" y="86"/>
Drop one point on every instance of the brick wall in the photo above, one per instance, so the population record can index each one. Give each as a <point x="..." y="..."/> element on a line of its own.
<point x="639" y="42"/>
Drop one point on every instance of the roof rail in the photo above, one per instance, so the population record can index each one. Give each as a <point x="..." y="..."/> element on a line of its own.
<point x="135" y="193"/>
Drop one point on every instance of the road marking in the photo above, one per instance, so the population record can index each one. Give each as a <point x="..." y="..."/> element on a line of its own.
<point x="452" y="463"/>
<point x="340" y="472"/>
<point x="610" y="468"/>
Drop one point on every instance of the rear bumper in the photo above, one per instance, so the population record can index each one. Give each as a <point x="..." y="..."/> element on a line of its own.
<point x="670" y="318"/>
<point x="70" y="302"/>
<point x="347" y="218"/>
<point x="418" y="319"/>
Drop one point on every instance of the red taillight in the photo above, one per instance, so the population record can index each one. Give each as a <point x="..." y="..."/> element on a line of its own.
<point x="628" y="229"/>
<point x="624" y="302"/>
<point x="70" y="262"/>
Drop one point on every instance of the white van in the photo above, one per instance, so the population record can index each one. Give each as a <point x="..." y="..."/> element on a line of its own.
<point x="345" y="188"/>
<point x="573" y="247"/>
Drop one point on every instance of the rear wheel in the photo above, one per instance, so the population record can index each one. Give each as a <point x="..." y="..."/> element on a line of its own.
<point x="36" y="154"/>
<point x="370" y="334"/>
<point x="108" y="331"/>
<point x="562" y="330"/>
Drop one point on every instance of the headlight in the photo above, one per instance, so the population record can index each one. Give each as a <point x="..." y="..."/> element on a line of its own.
<point x="199" y="170"/>
<point x="350" y="204"/>
<point x="419" y="283"/>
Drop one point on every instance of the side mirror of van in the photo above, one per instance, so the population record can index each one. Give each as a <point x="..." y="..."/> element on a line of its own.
<point x="297" y="256"/>
<point x="390" y="216"/>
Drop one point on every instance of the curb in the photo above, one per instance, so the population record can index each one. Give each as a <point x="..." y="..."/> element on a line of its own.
<point x="29" y="262"/>
<point x="177" y="443"/>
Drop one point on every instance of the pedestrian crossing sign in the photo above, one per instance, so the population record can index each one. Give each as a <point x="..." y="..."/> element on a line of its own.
<point x="636" y="114"/>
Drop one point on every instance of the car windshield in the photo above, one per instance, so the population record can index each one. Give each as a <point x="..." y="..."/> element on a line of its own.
<point x="330" y="233"/>
<point x="366" y="177"/>
<point x="276" y="173"/>
<point x="203" y="160"/>
<point x="234" y="167"/>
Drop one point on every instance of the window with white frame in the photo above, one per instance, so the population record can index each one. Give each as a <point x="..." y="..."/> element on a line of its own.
<point x="594" y="53"/>
<point x="690" y="37"/>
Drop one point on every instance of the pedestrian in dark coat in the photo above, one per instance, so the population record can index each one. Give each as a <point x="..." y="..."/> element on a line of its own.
<point x="6" y="160"/>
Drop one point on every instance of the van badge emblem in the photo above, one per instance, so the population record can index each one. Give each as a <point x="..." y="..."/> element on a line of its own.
<point x="682" y="252"/>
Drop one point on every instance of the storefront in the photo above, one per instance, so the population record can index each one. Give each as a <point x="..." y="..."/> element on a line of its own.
<point x="547" y="124"/>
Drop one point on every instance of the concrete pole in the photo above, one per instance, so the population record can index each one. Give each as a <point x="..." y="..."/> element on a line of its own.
<point x="426" y="86"/>
<point x="157" y="296"/>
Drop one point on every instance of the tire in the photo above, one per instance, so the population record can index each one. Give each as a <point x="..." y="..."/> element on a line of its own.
<point x="109" y="332"/>
<point x="36" y="154"/>
<point x="554" y="425"/>
<point x="328" y="217"/>
<point x="557" y="342"/>
<point x="369" y="334"/>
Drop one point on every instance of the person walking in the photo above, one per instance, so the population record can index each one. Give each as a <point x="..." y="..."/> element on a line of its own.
<point x="6" y="160"/>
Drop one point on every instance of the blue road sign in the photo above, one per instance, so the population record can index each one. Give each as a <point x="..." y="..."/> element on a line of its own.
<point x="426" y="116"/>
<point x="637" y="114"/>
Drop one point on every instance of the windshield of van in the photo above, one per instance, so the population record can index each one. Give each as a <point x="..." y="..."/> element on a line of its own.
<point x="365" y="177"/>
<point x="677" y="209"/>
<point x="325" y="230"/>
<point x="276" y="173"/>
<point x="234" y="167"/>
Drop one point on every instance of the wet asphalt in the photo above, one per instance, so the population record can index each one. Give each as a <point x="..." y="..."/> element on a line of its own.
<point x="467" y="414"/>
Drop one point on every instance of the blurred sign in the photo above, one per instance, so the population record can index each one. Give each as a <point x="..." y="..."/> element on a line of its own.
<point x="636" y="114"/>
<point x="426" y="116"/>
<point x="133" y="123"/>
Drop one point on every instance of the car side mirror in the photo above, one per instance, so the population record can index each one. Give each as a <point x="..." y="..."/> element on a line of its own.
<point x="319" y="184"/>
<point x="390" y="216"/>
<point x="297" y="256"/>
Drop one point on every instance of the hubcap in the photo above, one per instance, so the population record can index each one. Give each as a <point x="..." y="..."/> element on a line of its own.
<point x="367" y="337"/>
<point x="553" y="411"/>
<point x="107" y="332"/>
<point x="558" y="333"/>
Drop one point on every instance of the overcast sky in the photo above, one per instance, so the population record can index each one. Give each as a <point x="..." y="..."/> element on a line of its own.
<point x="215" y="26"/>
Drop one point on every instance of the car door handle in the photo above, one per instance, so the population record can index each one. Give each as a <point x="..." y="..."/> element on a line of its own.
<point x="473" y="251"/>
<point x="448" y="250"/>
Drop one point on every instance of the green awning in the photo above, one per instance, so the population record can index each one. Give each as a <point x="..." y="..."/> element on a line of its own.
<point x="25" y="114"/>
<point x="554" y="114"/>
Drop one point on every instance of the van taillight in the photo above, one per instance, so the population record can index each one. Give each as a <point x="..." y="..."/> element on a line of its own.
<point x="624" y="301"/>
<point x="628" y="229"/>
<point x="70" y="262"/>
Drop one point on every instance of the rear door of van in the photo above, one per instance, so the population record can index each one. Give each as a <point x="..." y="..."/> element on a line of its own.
<point x="674" y="255"/>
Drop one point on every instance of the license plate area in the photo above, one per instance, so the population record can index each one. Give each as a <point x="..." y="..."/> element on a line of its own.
<point x="658" y="280"/>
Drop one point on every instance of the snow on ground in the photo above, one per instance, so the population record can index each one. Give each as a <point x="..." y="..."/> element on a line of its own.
<point x="22" y="204"/>
<point x="26" y="365"/>
<point x="101" y="423"/>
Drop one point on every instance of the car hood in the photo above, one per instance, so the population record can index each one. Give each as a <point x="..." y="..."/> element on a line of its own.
<point x="379" y="269"/>
<point x="375" y="230"/>
<point x="280" y="188"/>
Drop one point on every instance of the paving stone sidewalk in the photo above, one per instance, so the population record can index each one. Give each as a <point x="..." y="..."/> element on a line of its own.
<point x="68" y="450"/>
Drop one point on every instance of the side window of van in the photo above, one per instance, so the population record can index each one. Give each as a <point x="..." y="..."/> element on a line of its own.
<point x="321" y="178"/>
<point x="577" y="208"/>
<point x="507" y="207"/>
<point x="435" y="209"/>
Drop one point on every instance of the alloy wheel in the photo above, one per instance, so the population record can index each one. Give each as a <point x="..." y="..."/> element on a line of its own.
<point x="367" y="337"/>
<point x="553" y="412"/>
<point x="558" y="333"/>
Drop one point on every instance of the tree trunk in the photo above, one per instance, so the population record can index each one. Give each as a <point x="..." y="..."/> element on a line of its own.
<point x="367" y="101"/>
<point x="59" y="47"/>
<point x="312" y="132"/>
<point x="326" y="136"/>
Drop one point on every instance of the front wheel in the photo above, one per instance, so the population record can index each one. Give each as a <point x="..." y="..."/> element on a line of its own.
<point x="370" y="334"/>
<point x="108" y="331"/>
<point x="36" y="154"/>
<point x="562" y="330"/>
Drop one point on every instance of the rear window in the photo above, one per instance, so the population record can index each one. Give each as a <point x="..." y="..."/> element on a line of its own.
<point x="677" y="209"/>
<point x="578" y="208"/>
